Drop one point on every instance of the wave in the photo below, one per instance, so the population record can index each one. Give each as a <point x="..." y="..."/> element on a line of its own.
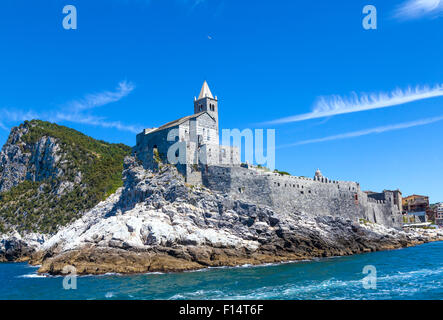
<point x="32" y="275"/>
<point x="111" y="274"/>
<point x="196" y="295"/>
<point x="248" y="265"/>
<point x="397" y="284"/>
<point x="411" y="274"/>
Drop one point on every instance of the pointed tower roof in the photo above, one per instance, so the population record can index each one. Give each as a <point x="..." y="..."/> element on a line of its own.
<point x="205" y="92"/>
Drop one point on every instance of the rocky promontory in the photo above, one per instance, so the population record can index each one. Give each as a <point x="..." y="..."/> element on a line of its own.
<point x="156" y="222"/>
<point x="65" y="201"/>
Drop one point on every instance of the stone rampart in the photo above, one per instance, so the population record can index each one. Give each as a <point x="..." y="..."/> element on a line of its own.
<point x="292" y="194"/>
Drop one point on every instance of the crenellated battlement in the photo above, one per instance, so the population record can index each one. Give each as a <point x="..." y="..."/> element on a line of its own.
<point x="314" y="196"/>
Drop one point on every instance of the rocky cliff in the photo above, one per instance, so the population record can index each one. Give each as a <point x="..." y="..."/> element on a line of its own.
<point x="156" y="222"/>
<point x="50" y="175"/>
<point x="21" y="161"/>
<point x="18" y="248"/>
<point x="63" y="202"/>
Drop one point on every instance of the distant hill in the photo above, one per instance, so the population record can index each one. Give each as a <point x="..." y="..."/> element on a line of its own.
<point x="51" y="174"/>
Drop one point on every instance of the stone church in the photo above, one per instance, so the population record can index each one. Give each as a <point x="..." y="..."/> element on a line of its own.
<point x="191" y="142"/>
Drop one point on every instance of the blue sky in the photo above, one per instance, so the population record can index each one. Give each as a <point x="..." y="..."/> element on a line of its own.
<point x="361" y="105"/>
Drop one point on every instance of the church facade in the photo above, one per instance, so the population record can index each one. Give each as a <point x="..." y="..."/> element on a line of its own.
<point x="189" y="142"/>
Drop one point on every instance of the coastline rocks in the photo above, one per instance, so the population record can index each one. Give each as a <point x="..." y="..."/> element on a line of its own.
<point x="158" y="223"/>
<point x="15" y="248"/>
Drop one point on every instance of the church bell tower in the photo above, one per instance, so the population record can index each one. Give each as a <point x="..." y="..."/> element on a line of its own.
<point x="206" y="102"/>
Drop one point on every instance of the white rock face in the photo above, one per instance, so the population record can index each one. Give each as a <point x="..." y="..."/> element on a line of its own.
<point x="138" y="216"/>
<point x="40" y="161"/>
<point x="35" y="240"/>
<point x="159" y="210"/>
<point x="14" y="246"/>
<point x="141" y="227"/>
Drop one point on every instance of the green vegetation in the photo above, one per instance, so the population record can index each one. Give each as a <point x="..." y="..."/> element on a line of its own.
<point x="283" y="173"/>
<point x="35" y="206"/>
<point x="259" y="166"/>
<point x="157" y="156"/>
<point x="364" y="221"/>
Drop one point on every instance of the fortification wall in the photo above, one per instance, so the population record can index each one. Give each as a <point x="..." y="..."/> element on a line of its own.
<point x="284" y="193"/>
<point x="291" y="194"/>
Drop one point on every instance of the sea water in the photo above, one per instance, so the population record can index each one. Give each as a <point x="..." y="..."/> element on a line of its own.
<point x="410" y="273"/>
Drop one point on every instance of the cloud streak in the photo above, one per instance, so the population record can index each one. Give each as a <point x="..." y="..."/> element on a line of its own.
<point x="360" y="133"/>
<point x="78" y="111"/>
<point x="335" y="105"/>
<point x="91" y="101"/>
<point x="75" y="111"/>
<point x="97" y="122"/>
<point x="415" y="9"/>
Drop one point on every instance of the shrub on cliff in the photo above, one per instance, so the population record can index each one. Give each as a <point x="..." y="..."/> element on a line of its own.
<point x="282" y="173"/>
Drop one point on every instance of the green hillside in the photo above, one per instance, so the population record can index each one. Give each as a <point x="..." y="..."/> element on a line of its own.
<point x="35" y="206"/>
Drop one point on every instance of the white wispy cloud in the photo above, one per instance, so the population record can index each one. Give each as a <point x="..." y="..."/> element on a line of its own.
<point x="78" y="111"/>
<point x="97" y="122"/>
<point x="360" y="133"/>
<point x="18" y="115"/>
<point x="414" y="9"/>
<point x="95" y="100"/>
<point x="335" y="105"/>
<point x="8" y="114"/>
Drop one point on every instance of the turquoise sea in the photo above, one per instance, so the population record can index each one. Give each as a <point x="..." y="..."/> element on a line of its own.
<point x="411" y="273"/>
